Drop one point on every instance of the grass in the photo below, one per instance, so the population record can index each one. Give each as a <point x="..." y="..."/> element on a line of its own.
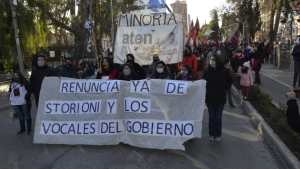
<point x="276" y="118"/>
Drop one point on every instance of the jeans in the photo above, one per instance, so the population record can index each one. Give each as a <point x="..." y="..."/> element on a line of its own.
<point x="23" y="114"/>
<point x="215" y="120"/>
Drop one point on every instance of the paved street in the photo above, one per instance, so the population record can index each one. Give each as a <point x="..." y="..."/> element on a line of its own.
<point x="241" y="148"/>
<point x="276" y="83"/>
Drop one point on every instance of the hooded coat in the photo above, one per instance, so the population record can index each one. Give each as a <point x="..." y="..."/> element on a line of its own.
<point x="164" y="75"/>
<point x="218" y="82"/>
<point x="36" y="79"/>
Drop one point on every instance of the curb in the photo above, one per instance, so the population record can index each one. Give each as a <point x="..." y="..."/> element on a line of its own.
<point x="285" y="155"/>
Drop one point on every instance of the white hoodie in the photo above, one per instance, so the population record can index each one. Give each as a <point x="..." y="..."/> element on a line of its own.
<point x="17" y="100"/>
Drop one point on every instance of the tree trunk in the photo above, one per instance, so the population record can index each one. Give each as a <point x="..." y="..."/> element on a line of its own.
<point x="277" y="19"/>
<point x="273" y="10"/>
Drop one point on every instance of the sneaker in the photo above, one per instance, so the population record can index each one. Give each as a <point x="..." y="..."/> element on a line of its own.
<point x="218" y="139"/>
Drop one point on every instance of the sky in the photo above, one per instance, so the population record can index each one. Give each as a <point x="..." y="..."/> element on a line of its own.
<point x="201" y="8"/>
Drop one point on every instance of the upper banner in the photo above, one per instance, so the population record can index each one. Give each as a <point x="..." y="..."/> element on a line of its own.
<point x="160" y="114"/>
<point x="144" y="35"/>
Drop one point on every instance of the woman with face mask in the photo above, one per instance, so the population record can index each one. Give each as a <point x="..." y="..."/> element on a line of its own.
<point x="161" y="71"/>
<point x="185" y="73"/>
<point x="18" y="100"/>
<point x="128" y="73"/>
<point x="38" y="75"/>
<point x="189" y="58"/>
<point x="218" y="82"/>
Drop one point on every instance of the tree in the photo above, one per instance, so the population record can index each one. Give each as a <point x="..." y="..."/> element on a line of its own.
<point x="32" y="31"/>
<point x="214" y="25"/>
<point x="248" y="14"/>
<point x="57" y="12"/>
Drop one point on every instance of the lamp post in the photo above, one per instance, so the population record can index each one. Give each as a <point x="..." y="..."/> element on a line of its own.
<point x="20" y="60"/>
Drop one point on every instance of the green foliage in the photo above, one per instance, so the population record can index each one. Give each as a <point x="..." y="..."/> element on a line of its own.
<point x="32" y="32"/>
<point x="247" y="13"/>
<point x="214" y="25"/>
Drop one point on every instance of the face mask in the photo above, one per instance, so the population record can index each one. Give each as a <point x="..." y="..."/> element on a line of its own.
<point x="41" y="62"/>
<point x="126" y="72"/>
<point x="212" y="63"/>
<point x="160" y="70"/>
<point x="184" y="72"/>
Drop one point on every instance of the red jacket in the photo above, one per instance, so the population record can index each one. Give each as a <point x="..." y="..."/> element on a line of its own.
<point x="191" y="61"/>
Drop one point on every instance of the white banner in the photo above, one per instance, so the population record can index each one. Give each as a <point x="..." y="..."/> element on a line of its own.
<point x="146" y="35"/>
<point x="160" y="114"/>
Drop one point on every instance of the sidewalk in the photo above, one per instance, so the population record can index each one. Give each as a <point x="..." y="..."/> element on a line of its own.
<point x="276" y="83"/>
<point x="4" y="103"/>
<point x="241" y="148"/>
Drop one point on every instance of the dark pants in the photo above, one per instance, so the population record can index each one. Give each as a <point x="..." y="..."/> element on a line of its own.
<point x="24" y="115"/>
<point x="229" y="97"/>
<point x="296" y="74"/>
<point x="36" y="98"/>
<point x="215" y="120"/>
<point x="257" y="78"/>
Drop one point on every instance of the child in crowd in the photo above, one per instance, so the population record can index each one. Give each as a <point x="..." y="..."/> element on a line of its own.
<point x="246" y="79"/>
<point x="185" y="73"/>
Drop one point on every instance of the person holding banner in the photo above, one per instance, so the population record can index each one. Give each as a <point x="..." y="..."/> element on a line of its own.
<point x="107" y="70"/>
<point x="190" y="59"/>
<point x="151" y="68"/>
<point x="185" y="73"/>
<point x="128" y="73"/>
<point x="217" y="84"/>
<point x="138" y="69"/>
<point x="161" y="71"/>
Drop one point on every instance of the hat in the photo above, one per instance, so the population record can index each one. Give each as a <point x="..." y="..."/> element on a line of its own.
<point x="247" y="64"/>
<point x="156" y="50"/>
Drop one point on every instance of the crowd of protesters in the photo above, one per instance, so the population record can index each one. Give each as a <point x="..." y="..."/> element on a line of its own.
<point x="220" y="64"/>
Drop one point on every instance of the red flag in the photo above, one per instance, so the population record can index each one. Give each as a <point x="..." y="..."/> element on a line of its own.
<point x="197" y="25"/>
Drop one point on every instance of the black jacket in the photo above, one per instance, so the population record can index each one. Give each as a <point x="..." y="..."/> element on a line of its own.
<point x="37" y="78"/>
<point x="218" y="82"/>
<point x="66" y="71"/>
<point x="164" y="75"/>
<point x="140" y="72"/>
<point x="296" y="53"/>
<point x="293" y="117"/>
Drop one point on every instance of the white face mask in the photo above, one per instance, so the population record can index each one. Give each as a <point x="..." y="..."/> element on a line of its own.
<point x="184" y="72"/>
<point x="126" y="72"/>
<point x="212" y="63"/>
<point x="160" y="70"/>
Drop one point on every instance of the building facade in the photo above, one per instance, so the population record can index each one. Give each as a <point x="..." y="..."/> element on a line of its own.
<point x="180" y="7"/>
